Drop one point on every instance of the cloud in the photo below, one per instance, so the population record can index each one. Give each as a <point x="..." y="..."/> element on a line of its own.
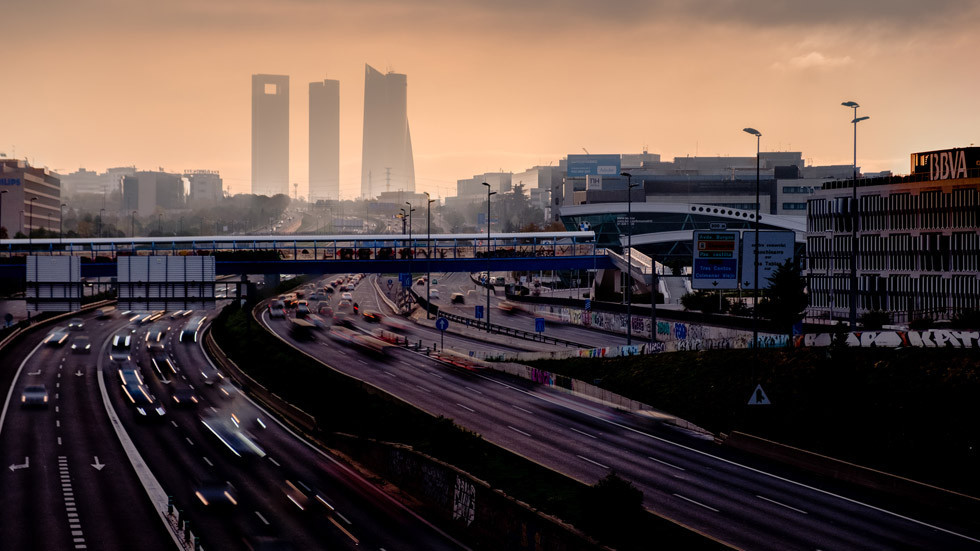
<point x="812" y="60"/>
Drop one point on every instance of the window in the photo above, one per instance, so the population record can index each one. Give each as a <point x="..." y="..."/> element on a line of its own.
<point x="794" y="206"/>
<point x="271" y="89"/>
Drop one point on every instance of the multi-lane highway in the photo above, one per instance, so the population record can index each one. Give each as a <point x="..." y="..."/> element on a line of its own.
<point x="683" y="477"/>
<point x="70" y="484"/>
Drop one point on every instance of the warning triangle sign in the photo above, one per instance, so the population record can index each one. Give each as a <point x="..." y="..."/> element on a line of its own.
<point x="759" y="397"/>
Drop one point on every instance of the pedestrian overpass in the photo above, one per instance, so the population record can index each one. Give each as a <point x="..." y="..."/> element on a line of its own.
<point x="315" y="254"/>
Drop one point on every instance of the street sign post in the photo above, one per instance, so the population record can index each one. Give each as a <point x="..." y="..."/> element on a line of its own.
<point x="715" y="260"/>
<point x="390" y="283"/>
<point x="539" y="325"/>
<point x="478" y="313"/>
<point x="442" y="324"/>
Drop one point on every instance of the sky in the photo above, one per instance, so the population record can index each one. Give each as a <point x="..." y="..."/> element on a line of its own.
<point x="492" y="84"/>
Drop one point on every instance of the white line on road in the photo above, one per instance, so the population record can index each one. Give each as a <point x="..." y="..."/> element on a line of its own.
<point x="262" y="518"/>
<point x="671" y="465"/>
<point x="189" y="441"/>
<point x="583" y="458"/>
<point x="522" y="409"/>
<point x="343" y="518"/>
<point x="782" y="504"/>
<point x="434" y="374"/>
<point x="519" y="431"/>
<point x="423" y="388"/>
<point x="390" y="373"/>
<point x="57" y="409"/>
<point x="57" y="423"/>
<point x="59" y="440"/>
<point x="274" y="462"/>
<point x="208" y="461"/>
<point x="584" y="433"/>
<point x="471" y="410"/>
<point x="472" y="389"/>
<point x="698" y="503"/>
<point x="174" y="423"/>
<point x="362" y="362"/>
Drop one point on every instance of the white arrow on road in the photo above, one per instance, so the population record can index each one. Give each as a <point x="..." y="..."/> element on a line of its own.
<point x="98" y="466"/>
<point x="38" y="372"/>
<point x="27" y="463"/>
<point x="79" y="373"/>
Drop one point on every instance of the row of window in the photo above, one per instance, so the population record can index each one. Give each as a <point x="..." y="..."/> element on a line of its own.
<point x="898" y="293"/>
<point x="926" y="252"/>
<point x="932" y="209"/>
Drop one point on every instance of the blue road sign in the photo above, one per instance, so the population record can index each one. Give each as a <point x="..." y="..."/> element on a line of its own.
<point x="390" y="283"/>
<point x="405" y="279"/>
<point x="478" y="314"/>
<point x="539" y="325"/>
<point x="588" y="304"/>
<point x="442" y="324"/>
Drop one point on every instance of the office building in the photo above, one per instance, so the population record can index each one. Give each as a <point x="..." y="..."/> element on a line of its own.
<point x="145" y="192"/>
<point x="270" y="134"/>
<point x="31" y="197"/>
<point x="387" y="163"/>
<point x="324" y="140"/>
<point x="918" y="241"/>
<point x="88" y="182"/>
<point x="205" y="187"/>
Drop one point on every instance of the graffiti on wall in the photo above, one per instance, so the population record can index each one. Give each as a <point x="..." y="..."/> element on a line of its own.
<point x="464" y="501"/>
<point x="933" y="338"/>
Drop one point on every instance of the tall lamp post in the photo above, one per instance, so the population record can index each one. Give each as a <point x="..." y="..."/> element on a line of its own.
<point x="428" y="252"/>
<point x="101" y="216"/>
<point x="629" y="258"/>
<point x="487" y="282"/>
<point x="755" y="284"/>
<point x="403" y="216"/>
<point x="411" y="249"/>
<point x="61" y="224"/>
<point x="132" y="223"/>
<point x="854" y="214"/>
<point x="30" y="223"/>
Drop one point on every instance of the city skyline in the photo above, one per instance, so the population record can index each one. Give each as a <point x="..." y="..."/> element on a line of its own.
<point x="545" y="81"/>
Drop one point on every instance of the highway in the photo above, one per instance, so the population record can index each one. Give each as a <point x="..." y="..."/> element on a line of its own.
<point x="66" y="481"/>
<point x="734" y="499"/>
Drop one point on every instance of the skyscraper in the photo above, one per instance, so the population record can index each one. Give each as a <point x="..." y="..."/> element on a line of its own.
<point x="386" y="157"/>
<point x="324" y="140"/>
<point x="270" y="134"/>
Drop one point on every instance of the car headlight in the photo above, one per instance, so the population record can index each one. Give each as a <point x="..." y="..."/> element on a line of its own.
<point x="141" y="411"/>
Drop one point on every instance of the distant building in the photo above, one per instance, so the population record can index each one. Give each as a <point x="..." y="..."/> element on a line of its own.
<point x="146" y="191"/>
<point x="324" y="140"/>
<point x="205" y="187"/>
<point x="270" y="134"/>
<point x="87" y="182"/>
<point x="387" y="163"/>
<point x="21" y="183"/>
<point x="918" y="240"/>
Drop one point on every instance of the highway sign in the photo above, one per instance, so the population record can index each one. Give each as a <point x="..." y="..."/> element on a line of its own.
<point x="715" y="260"/>
<point x="478" y="313"/>
<point x="759" y="397"/>
<point x="539" y="325"/>
<point x="390" y="283"/>
<point x="588" y="304"/>
<point x="405" y="279"/>
<point x="442" y="324"/>
<point x="776" y="247"/>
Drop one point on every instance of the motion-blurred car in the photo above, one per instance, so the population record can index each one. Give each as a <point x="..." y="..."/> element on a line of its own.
<point x="457" y="298"/>
<point x="76" y="324"/>
<point x="34" y="396"/>
<point x="216" y="494"/>
<point x="120" y="350"/>
<point x="277" y="309"/>
<point x="81" y="345"/>
<point x="346" y="296"/>
<point x="372" y="316"/>
<point x="56" y="337"/>
<point x="185" y="397"/>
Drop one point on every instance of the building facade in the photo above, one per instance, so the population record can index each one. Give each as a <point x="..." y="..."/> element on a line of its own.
<point x="324" y="140"/>
<point x="31" y="198"/>
<point x="205" y="187"/>
<point x="918" y="241"/>
<point x="270" y="134"/>
<point x="387" y="162"/>
<point x="146" y="191"/>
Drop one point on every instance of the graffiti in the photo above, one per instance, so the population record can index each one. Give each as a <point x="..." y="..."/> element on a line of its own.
<point x="464" y="501"/>
<point x="680" y="331"/>
<point x="933" y="338"/>
<point x="434" y="484"/>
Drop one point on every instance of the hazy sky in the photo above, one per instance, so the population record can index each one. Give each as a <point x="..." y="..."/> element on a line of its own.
<point x="492" y="84"/>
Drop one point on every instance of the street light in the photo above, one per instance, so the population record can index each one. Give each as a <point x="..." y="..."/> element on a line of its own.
<point x="402" y="216"/>
<point x="854" y="215"/>
<point x="61" y="219"/>
<point x="411" y="249"/>
<point x="487" y="282"/>
<point x="30" y="223"/>
<point x="101" y="216"/>
<point x="428" y="252"/>
<point x="629" y="256"/>
<point x="132" y="224"/>
<point x="755" y="284"/>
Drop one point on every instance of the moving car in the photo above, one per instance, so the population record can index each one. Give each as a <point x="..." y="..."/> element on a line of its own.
<point x="216" y="494"/>
<point x="76" y="324"/>
<point x="277" y="309"/>
<point x="372" y="316"/>
<point x="189" y="332"/>
<point x="56" y="337"/>
<point x="155" y="337"/>
<point x="457" y="298"/>
<point x="120" y="350"/>
<point x="34" y="396"/>
<point x="81" y="345"/>
<point x="184" y="396"/>
<point x="232" y="436"/>
<point x="144" y="403"/>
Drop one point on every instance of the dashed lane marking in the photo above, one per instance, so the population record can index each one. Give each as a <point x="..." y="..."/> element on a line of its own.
<point x="471" y="410"/>
<point x="773" y="501"/>
<point x="518" y="431"/>
<point x="698" y="503"/>
<point x="671" y="465"/>
<point x="583" y="458"/>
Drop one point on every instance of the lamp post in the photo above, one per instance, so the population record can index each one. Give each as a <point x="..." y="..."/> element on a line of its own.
<point x="854" y="215"/>
<point x="411" y="249"/>
<point x="629" y="258"/>
<point x="101" y="216"/>
<point x="402" y="216"/>
<point x="30" y="223"/>
<point x="132" y="223"/>
<point x="61" y="224"/>
<point x="487" y="282"/>
<point x="428" y="252"/>
<point x="755" y="284"/>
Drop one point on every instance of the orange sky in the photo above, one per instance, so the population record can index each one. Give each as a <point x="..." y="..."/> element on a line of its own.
<point x="491" y="84"/>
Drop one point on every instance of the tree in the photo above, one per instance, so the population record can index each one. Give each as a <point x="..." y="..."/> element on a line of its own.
<point x="785" y="300"/>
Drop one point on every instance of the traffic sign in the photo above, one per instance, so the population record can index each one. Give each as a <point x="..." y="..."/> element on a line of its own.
<point x="442" y="324"/>
<point x="588" y="304"/>
<point x="759" y="397"/>
<point x="715" y="260"/>
<point x="390" y="283"/>
<point x="405" y="279"/>
<point x="775" y="248"/>
<point x="539" y="325"/>
<point x="478" y="313"/>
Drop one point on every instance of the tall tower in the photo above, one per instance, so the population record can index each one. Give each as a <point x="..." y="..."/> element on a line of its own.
<point x="270" y="134"/>
<point x="387" y="139"/>
<point x="324" y="140"/>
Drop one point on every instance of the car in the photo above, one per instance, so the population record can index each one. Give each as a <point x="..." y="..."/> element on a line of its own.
<point x="144" y="403"/>
<point x="372" y="316"/>
<point x="457" y="298"/>
<point x="120" y="350"/>
<point x="343" y="305"/>
<point x="185" y="397"/>
<point x="302" y="309"/>
<point x="130" y="376"/>
<point x="346" y="296"/>
<point x="420" y="281"/>
<point x="155" y="337"/>
<point x="298" y="497"/>
<point x="433" y="294"/>
<point x="34" y="396"/>
<point x="328" y="290"/>
<point x="81" y="345"/>
<point x="217" y="494"/>
<point x="230" y="433"/>
<point x="189" y="332"/>
<point x="277" y="309"/>
<point x="76" y="324"/>
<point x="57" y="337"/>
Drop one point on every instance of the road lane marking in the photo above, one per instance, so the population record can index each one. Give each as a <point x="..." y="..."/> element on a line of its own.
<point x="59" y="440"/>
<point x="344" y="530"/>
<point x="343" y="518"/>
<point x="519" y="431"/>
<point x="584" y="433"/>
<point x="434" y="374"/>
<point x="671" y="465"/>
<point x="698" y="503"/>
<point x="208" y="461"/>
<point x="262" y="518"/>
<point x="782" y="504"/>
<point x="471" y="410"/>
<point x="57" y="423"/>
<point x="472" y="389"/>
<point x="57" y="409"/>
<point x="423" y="388"/>
<point x="583" y="458"/>
<point x="390" y="373"/>
<point x="521" y="409"/>
<point x="189" y="441"/>
<point x="174" y="423"/>
<point x="274" y="462"/>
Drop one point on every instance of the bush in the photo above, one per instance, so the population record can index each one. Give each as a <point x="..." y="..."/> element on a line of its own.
<point x="966" y="319"/>
<point x="875" y="319"/>
<point x="921" y="324"/>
